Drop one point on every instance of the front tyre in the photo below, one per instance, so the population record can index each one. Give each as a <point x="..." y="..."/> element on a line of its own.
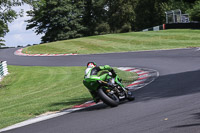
<point x="131" y="98"/>
<point x="109" y="99"/>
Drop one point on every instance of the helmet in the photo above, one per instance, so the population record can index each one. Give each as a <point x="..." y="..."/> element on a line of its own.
<point x="91" y="64"/>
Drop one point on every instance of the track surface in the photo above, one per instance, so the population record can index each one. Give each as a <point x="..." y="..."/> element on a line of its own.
<point x="170" y="104"/>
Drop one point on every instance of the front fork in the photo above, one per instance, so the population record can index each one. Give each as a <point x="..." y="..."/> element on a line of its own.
<point x="126" y="91"/>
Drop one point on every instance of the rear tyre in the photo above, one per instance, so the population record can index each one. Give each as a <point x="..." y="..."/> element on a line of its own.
<point x="109" y="99"/>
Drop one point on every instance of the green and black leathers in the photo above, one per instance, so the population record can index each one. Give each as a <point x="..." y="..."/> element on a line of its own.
<point x="93" y="75"/>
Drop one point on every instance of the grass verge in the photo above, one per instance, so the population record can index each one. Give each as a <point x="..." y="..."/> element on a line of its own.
<point x="30" y="91"/>
<point x="123" y="42"/>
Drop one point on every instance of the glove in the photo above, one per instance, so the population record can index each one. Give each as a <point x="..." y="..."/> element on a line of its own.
<point x="113" y="73"/>
<point x="111" y="85"/>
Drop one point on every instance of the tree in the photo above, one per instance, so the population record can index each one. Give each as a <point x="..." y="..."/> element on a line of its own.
<point x="105" y="16"/>
<point x="148" y="13"/>
<point x="95" y="17"/>
<point x="7" y="15"/>
<point x="195" y="11"/>
<point x="121" y="14"/>
<point x="183" y="5"/>
<point x="58" y="20"/>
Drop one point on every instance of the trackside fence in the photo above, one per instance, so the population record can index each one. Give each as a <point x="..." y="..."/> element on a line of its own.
<point x="3" y="69"/>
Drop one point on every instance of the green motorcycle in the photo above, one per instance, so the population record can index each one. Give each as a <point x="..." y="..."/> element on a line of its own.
<point x="108" y="88"/>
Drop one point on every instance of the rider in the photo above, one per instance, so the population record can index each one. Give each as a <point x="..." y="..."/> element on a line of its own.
<point x="91" y="72"/>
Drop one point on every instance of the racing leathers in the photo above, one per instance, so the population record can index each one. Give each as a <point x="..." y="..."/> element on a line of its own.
<point x="92" y="73"/>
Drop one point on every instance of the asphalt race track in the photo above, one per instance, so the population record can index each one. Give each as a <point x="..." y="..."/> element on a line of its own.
<point x="170" y="104"/>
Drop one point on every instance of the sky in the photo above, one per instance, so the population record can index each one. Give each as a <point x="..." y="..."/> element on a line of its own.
<point x="18" y="35"/>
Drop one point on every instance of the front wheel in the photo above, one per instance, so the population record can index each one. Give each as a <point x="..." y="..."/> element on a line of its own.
<point x="109" y="99"/>
<point x="131" y="98"/>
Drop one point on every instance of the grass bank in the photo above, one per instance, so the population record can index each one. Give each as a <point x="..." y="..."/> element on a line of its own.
<point x="132" y="41"/>
<point x="31" y="91"/>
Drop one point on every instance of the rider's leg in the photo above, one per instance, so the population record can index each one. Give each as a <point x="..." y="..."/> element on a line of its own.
<point x="94" y="96"/>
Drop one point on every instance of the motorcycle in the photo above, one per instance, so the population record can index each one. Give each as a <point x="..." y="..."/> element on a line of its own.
<point x="110" y="89"/>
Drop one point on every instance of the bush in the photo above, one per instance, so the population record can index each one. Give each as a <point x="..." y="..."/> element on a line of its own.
<point x="102" y="28"/>
<point x="195" y="11"/>
<point x="126" y="28"/>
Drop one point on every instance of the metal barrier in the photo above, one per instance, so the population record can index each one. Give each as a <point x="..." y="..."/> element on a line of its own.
<point x="3" y="69"/>
<point x="191" y="25"/>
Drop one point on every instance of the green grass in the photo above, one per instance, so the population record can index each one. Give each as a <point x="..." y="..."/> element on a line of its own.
<point x="30" y="91"/>
<point x="132" y="41"/>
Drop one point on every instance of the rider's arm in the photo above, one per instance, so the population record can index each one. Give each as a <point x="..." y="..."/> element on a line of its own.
<point x="95" y="70"/>
<point x="107" y="67"/>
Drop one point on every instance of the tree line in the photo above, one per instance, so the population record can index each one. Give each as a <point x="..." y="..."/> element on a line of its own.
<point x="67" y="19"/>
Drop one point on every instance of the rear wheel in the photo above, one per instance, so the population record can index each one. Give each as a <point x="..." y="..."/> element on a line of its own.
<point x="109" y="99"/>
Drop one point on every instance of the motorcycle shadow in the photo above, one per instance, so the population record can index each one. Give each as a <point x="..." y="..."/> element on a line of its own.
<point x="101" y="106"/>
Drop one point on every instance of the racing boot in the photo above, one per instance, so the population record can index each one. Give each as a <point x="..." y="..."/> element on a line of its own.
<point x="130" y="96"/>
<point x="96" y="99"/>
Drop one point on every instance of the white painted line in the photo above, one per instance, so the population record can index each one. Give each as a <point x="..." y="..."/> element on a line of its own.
<point x="46" y="117"/>
<point x="38" y="119"/>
